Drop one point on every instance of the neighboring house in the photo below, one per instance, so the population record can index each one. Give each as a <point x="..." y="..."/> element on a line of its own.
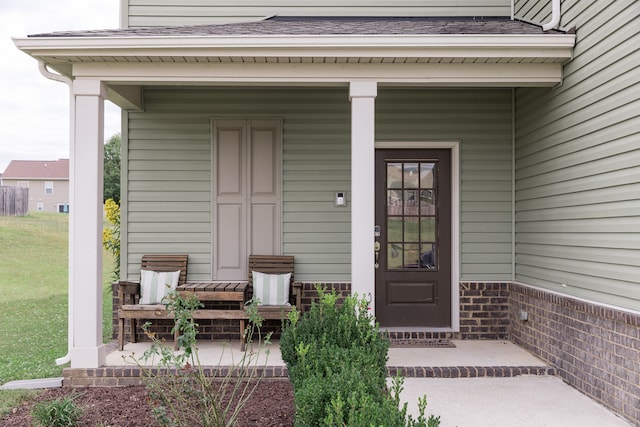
<point x="47" y="181"/>
<point x="490" y="166"/>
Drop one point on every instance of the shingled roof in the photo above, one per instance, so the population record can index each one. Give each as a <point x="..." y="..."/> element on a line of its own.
<point x="319" y="26"/>
<point x="37" y="169"/>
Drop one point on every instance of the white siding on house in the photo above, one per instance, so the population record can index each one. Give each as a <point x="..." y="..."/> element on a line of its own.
<point x="171" y="142"/>
<point x="142" y="13"/>
<point x="578" y="162"/>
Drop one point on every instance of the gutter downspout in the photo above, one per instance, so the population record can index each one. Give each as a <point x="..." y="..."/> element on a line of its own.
<point x="60" y="78"/>
<point x="555" y="16"/>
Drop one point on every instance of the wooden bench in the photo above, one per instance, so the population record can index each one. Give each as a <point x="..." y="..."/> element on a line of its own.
<point x="129" y="293"/>
<point x="239" y="292"/>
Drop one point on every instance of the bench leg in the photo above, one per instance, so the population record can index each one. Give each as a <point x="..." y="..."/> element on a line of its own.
<point x="121" y="333"/>
<point x="132" y="329"/>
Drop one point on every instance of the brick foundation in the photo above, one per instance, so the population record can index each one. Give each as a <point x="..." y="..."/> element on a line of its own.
<point x="594" y="348"/>
<point x="484" y="310"/>
<point x="120" y="376"/>
<point x="309" y="293"/>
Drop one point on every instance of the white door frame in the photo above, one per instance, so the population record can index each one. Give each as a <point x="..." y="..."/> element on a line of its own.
<point x="454" y="146"/>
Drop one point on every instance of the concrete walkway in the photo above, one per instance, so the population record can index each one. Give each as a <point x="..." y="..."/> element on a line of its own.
<point x="522" y="401"/>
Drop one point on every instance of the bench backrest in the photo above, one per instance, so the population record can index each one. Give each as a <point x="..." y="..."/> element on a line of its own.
<point x="271" y="264"/>
<point x="163" y="262"/>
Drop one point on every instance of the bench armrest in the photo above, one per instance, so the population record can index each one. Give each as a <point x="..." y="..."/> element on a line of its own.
<point x="128" y="291"/>
<point x="296" y="290"/>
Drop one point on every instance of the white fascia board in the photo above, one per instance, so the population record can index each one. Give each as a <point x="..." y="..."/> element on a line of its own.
<point x="525" y="74"/>
<point x="307" y="46"/>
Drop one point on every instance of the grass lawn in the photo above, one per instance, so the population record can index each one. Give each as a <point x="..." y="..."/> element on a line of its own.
<point x="34" y="289"/>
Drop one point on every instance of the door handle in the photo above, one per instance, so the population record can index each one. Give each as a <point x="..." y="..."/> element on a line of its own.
<point x="376" y="249"/>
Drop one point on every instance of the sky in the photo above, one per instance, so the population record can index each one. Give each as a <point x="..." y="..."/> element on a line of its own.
<point x="34" y="111"/>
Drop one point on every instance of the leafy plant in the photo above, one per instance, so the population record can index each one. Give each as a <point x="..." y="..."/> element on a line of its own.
<point x="63" y="412"/>
<point x="181" y="393"/>
<point x="336" y="358"/>
<point x="112" y="168"/>
<point x="111" y="235"/>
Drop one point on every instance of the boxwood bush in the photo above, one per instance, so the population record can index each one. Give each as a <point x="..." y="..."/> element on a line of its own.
<point x="336" y="357"/>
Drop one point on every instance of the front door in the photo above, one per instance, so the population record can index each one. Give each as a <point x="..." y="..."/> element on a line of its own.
<point x="413" y="237"/>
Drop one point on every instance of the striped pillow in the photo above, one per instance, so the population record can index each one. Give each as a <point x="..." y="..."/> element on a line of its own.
<point x="271" y="289"/>
<point x="154" y="285"/>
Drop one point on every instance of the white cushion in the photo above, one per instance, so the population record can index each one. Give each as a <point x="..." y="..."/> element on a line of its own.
<point x="271" y="289"/>
<point x="154" y="285"/>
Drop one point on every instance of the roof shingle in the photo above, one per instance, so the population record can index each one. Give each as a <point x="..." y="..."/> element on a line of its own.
<point x="319" y="26"/>
<point x="37" y="169"/>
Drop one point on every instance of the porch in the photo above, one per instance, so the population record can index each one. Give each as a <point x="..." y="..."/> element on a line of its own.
<point x="466" y="359"/>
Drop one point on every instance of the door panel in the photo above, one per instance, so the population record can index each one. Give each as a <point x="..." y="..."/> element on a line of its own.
<point x="413" y="213"/>
<point x="230" y="200"/>
<point x="230" y="230"/>
<point x="263" y="226"/>
<point x="246" y="187"/>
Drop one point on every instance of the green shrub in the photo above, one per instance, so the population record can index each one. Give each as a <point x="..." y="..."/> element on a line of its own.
<point x="337" y="359"/>
<point x="61" y="412"/>
<point x="329" y="324"/>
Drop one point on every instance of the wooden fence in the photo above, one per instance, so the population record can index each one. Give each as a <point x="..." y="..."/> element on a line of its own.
<point x="14" y="201"/>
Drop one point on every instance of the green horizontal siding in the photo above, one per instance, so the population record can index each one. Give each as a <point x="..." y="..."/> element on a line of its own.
<point x="169" y="178"/>
<point x="578" y="160"/>
<point x="142" y="13"/>
<point x="481" y="120"/>
<point x="171" y="139"/>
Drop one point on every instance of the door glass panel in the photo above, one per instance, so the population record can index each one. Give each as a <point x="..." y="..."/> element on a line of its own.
<point x="394" y="202"/>
<point x="426" y="175"/>
<point x="394" y="229"/>
<point x="411" y="202"/>
<point x="427" y="202"/>
<point x="412" y="220"/>
<point x="394" y="175"/>
<point x="394" y="255"/>
<point x="427" y="229"/>
<point x="428" y="256"/>
<point x="411" y="176"/>
<point x="411" y="229"/>
<point x="411" y="255"/>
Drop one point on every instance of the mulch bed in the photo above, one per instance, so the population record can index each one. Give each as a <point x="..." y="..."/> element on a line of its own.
<point x="270" y="405"/>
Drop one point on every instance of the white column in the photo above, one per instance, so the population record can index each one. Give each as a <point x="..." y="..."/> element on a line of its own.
<point x="85" y="224"/>
<point x="362" y="95"/>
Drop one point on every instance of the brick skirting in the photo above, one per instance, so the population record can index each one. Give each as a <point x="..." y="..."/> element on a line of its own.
<point x="121" y="376"/>
<point x="594" y="348"/>
<point x="468" y="371"/>
<point x="484" y="310"/>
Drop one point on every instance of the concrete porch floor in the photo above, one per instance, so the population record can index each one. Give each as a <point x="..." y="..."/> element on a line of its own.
<point x="466" y="353"/>
<point x="488" y="383"/>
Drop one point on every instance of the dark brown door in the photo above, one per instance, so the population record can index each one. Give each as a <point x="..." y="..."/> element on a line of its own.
<point x="413" y="229"/>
